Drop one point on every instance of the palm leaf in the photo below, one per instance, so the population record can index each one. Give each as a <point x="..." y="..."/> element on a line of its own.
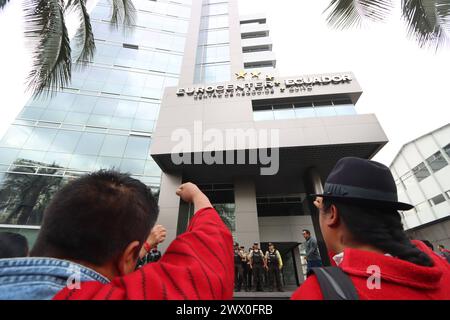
<point x="426" y="21"/>
<point x="123" y="12"/>
<point x="46" y="29"/>
<point x="3" y="3"/>
<point x="84" y="36"/>
<point x="344" y="14"/>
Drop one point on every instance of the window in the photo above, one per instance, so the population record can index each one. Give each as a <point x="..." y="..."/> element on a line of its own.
<point x="437" y="161"/>
<point x="130" y="46"/>
<point x="304" y="110"/>
<point x="121" y="123"/>
<point x="31" y="113"/>
<point x="132" y="166"/>
<point x="284" y="111"/>
<point x="16" y="136"/>
<point x="90" y="143"/>
<point x="147" y="111"/>
<point x="143" y="125"/>
<point x="215" y="9"/>
<point x="437" y="199"/>
<point x="77" y="117"/>
<point x="324" y="108"/>
<point x="105" y="106"/>
<point x="126" y="108"/>
<point x="40" y="139"/>
<point x="211" y="73"/>
<point x="113" y="146"/>
<point x="58" y="159"/>
<point x="65" y="141"/>
<point x="261" y="115"/>
<point x="137" y="148"/>
<point x="447" y="149"/>
<point x="82" y="162"/>
<point x="214" y="22"/>
<point x="421" y="172"/>
<point x="214" y="37"/>
<point x="54" y="115"/>
<point x="108" y="163"/>
<point x="344" y="107"/>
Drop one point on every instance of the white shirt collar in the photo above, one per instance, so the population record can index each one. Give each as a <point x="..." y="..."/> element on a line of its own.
<point x="338" y="258"/>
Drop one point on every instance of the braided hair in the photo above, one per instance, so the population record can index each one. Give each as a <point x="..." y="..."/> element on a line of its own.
<point x="381" y="228"/>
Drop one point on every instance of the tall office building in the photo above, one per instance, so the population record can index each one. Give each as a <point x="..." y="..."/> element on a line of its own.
<point x="207" y="77"/>
<point x="254" y="141"/>
<point x="104" y="119"/>
<point x="422" y="173"/>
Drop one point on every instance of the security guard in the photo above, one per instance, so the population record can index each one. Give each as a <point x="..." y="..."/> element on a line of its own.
<point x="274" y="265"/>
<point x="238" y="268"/>
<point x="257" y="264"/>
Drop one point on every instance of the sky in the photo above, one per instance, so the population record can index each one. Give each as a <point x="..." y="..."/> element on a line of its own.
<point x="405" y="86"/>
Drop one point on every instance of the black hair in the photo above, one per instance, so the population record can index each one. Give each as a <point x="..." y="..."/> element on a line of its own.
<point x="381" y="228"/>
<point x="13" y="245"/>
<point x="441" y="246"/>
<point x="95" y="217"/>
<point x="429" y="244"/>
<point x="307" y="231"/>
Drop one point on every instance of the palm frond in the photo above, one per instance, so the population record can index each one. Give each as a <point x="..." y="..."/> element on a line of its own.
<point x="425" y="21"/>
<point x="344" y="14"/>
<point x="3" y="3"/>
<point x="46" y="29"/>
<point x="443" y="13"/>
<point x="123" y="12"/>
<point x="84" y="36"/>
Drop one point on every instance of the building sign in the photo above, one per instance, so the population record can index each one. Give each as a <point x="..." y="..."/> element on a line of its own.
<point x="256" y="86"/>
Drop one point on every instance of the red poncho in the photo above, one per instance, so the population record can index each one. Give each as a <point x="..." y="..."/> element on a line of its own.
<point x="400" y="280"/>
<point x="198" y="264"/>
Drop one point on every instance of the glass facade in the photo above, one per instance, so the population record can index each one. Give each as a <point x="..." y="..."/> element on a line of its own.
<point x="303" y="110"/>
<point x="213" y="52"/>
<point x="106" y="116"/>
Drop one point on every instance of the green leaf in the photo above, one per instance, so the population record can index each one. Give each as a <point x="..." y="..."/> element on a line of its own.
<point x="123" y="12"/>
<point x="47" y="32"/>
<point x="344" y="14"/>
<point x="84" y="36"/>
<point x="426" y="21"/>
<point x="3" y="3"/>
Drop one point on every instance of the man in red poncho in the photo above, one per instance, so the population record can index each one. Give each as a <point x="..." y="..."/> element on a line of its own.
<point x="198" y="264"/>
<point x="93" y="232"/>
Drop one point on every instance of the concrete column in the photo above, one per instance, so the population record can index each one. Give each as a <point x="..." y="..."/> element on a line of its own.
<point x="187" y="71"/>
<point x="169" y="206"/>
<point x="247" y="228"/>
<point x="313" y="184"/>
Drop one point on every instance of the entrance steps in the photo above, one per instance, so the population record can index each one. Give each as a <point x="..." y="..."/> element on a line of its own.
<point x="266" y="295"/>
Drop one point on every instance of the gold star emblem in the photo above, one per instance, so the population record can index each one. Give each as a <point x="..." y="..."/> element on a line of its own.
<point x="241" y="75"/>
<point x="256" y="74"/>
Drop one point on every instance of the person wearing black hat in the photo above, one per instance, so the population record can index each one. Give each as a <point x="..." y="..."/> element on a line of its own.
<point x="360" y="223"/>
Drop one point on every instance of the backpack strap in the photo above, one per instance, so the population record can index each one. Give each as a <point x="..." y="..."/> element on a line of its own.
<point x="335" y="284"/>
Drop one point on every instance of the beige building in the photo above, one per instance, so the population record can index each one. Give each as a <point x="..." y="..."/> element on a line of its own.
<point x="256" y="142"/>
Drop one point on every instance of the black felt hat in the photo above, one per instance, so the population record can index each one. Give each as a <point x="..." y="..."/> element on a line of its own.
<point x="363" y="182"/>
